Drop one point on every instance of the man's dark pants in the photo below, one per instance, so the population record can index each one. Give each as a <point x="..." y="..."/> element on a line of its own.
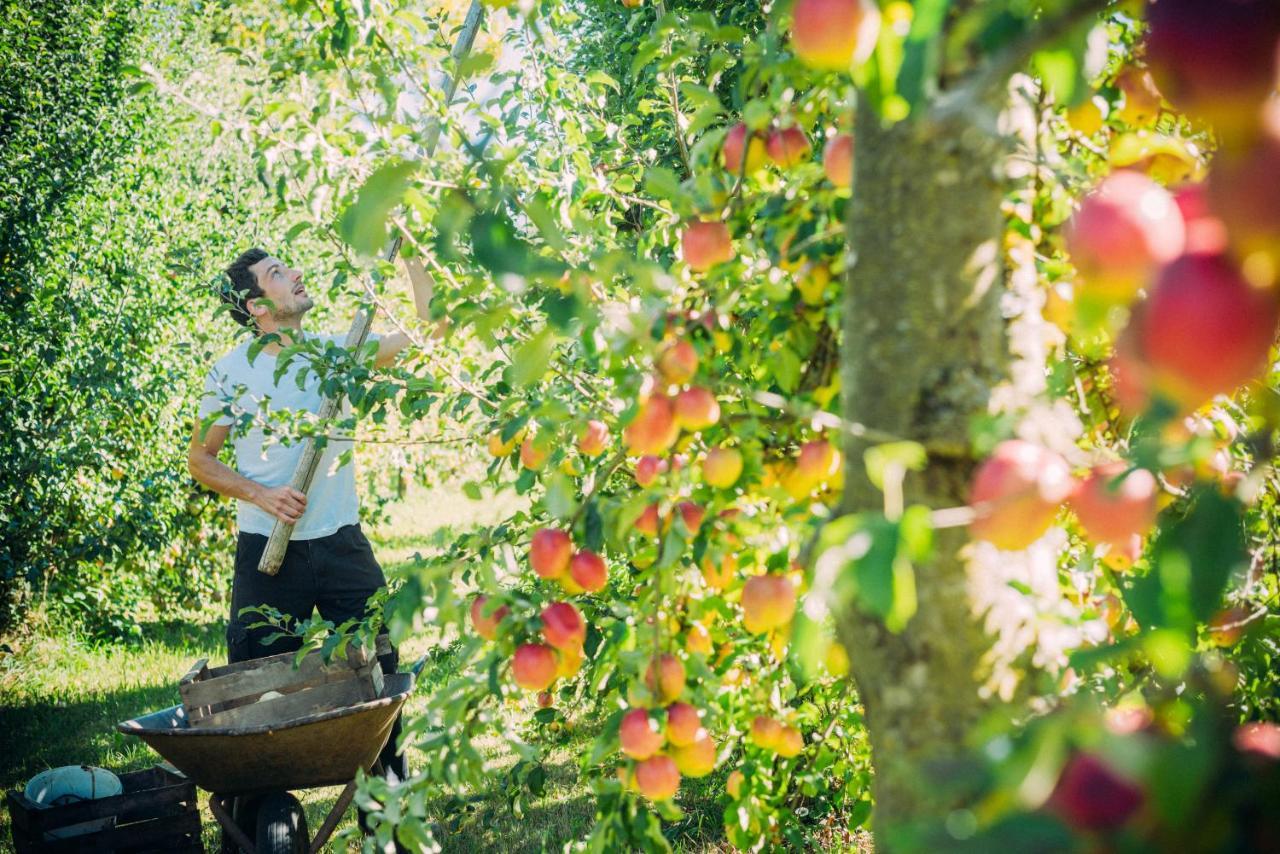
<point x="336" y="575"/>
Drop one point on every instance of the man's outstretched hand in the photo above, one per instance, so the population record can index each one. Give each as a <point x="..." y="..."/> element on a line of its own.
<point x="284" y="502"/>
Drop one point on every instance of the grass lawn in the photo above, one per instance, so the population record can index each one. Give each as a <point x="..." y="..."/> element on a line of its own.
<point x="62" y="697"/>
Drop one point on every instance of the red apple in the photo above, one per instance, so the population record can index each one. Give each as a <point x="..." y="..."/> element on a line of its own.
<point x="768" y="601"/>
<point x="1215" y="60"/>
<point x="588" y="571"/>
<point x="706" y="244"/>
<point x="734" y="143"/>
<point x="1142" y="99"/>
<point x="649" y="468"/>
<point x="639" y="735"/>
<point x="817" y="462"/>
<point x="654" y="428"/>
<point x="594" y="438"/>
<point x="534" y="453"/>
<point x="719" y="574"/>
<point x="534" y="666"/>
<point x="1130" y="378"/>
<point x="788" y="147"/>
<point x="790" y="742"/>
<point x="697" y="640"/>
<point x="486" y="627"/>
<point x="692" y="514"/>
<point x="1123" y="232"/>
<point x="549" y="552"/>
<point x="765" y="732"/>
<point x="1258" y="737"/>
<point x="1242" y="191"/>
<point x="647" y="523"/>
<point x="1112" y="511"/>
<point x="1090" y="796"/>
<point x="568" y="661"/>
<point x="1205" y="330"/>
<point x="684" y="725"/>
<point x="722" y="467"/>
<point x="1016" y="493"/>
<point x="697" y="759"/>
<point x="562" y="626"/>
<point x="545" y="700"/>
<point x="1206" y="232"/>
<point x="678" y="362"/>
<point x="657" y="778"/>
<point x="499" y="448"/>
<point x="733" y="785"/>
<point x="837" y="160"/>
<point x="665" y="677"/>
<point x="696" y="409"/>
<point x="834" y="34"/>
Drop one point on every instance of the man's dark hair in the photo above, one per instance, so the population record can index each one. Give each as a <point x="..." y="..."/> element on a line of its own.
<point x="243" y="285"/>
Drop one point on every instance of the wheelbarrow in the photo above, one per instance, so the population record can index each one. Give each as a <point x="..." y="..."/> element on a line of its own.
<point x="261" y="764"/>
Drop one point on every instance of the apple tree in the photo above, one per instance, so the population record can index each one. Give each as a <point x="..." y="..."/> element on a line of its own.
<point x="889" y="385"/>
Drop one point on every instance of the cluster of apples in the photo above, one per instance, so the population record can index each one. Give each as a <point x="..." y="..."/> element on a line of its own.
<point x="1198" y="268"/>
<point x="662" y="415"/>
<point x="535" y="448"/>
<point x="785" y="147"/>
<point x="1017" y="493"/>
<point x="536" y="665"/>
<point x="707" y="243"/>
<point x="666" y="742"/>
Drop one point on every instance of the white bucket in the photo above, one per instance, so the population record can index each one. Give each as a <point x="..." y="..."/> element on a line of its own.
<point x="71" y="784"/>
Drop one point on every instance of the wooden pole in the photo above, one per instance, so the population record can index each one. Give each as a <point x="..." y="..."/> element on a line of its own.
<point x="273" y="554"/>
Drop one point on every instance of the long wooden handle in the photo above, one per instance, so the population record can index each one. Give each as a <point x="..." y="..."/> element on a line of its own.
<point x="278" y="542"/>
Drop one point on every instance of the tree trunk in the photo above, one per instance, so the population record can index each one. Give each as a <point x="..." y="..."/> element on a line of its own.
<point x="923" y="344"/>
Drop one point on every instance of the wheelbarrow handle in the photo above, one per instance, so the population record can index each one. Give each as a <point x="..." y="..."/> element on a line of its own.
<point x="416" y="669"/>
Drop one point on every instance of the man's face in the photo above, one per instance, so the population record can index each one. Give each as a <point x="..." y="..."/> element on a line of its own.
<point x="282" y="286"/>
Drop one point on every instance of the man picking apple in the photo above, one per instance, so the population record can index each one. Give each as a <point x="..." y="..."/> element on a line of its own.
<point x="329" y="564"/>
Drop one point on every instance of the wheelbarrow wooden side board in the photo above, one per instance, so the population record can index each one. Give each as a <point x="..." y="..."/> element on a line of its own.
<point x="278" y="688"/>
<point x="273" y="554"/>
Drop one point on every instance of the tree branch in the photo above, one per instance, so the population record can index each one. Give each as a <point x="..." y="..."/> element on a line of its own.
<point x="991" y="75"/>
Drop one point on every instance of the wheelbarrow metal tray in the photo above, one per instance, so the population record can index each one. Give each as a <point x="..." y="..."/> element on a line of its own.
<point x="323" y="749"/>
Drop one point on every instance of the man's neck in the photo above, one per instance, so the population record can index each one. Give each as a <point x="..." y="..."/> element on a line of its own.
<point x="290" y="332"/>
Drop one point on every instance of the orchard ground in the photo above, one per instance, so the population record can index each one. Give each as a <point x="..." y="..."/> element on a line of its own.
<point x="64" y="694"/>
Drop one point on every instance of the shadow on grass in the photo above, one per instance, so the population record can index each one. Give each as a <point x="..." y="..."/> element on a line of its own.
<point x="38" y="734"/>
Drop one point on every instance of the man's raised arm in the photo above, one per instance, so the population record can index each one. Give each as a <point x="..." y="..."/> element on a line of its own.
<point x="389" y="346"/>
<point x="282" y="502"/>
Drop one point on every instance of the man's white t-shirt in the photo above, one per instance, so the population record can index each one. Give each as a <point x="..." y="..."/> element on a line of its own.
<point x="331" y="501"/>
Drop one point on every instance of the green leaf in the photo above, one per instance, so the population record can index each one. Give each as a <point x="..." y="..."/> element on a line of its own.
<point x="662" y="183"/>
<point x="1192" y="560"/>
<point x="559" y="499"/>
<point x="530" y="360"/>
<point x="364" y="224"/>
<point x="906" y="456"/>
<point x="599" y="77"/>
<point x="540" y="214"/>
<point x="786" y="367"/>
<point x="1060" y="72"/>
<point x="922" y="52"/>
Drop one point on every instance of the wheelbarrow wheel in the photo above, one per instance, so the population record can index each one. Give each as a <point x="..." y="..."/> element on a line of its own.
<point x="282" y="825"/>
<point x="244" y="812"/>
